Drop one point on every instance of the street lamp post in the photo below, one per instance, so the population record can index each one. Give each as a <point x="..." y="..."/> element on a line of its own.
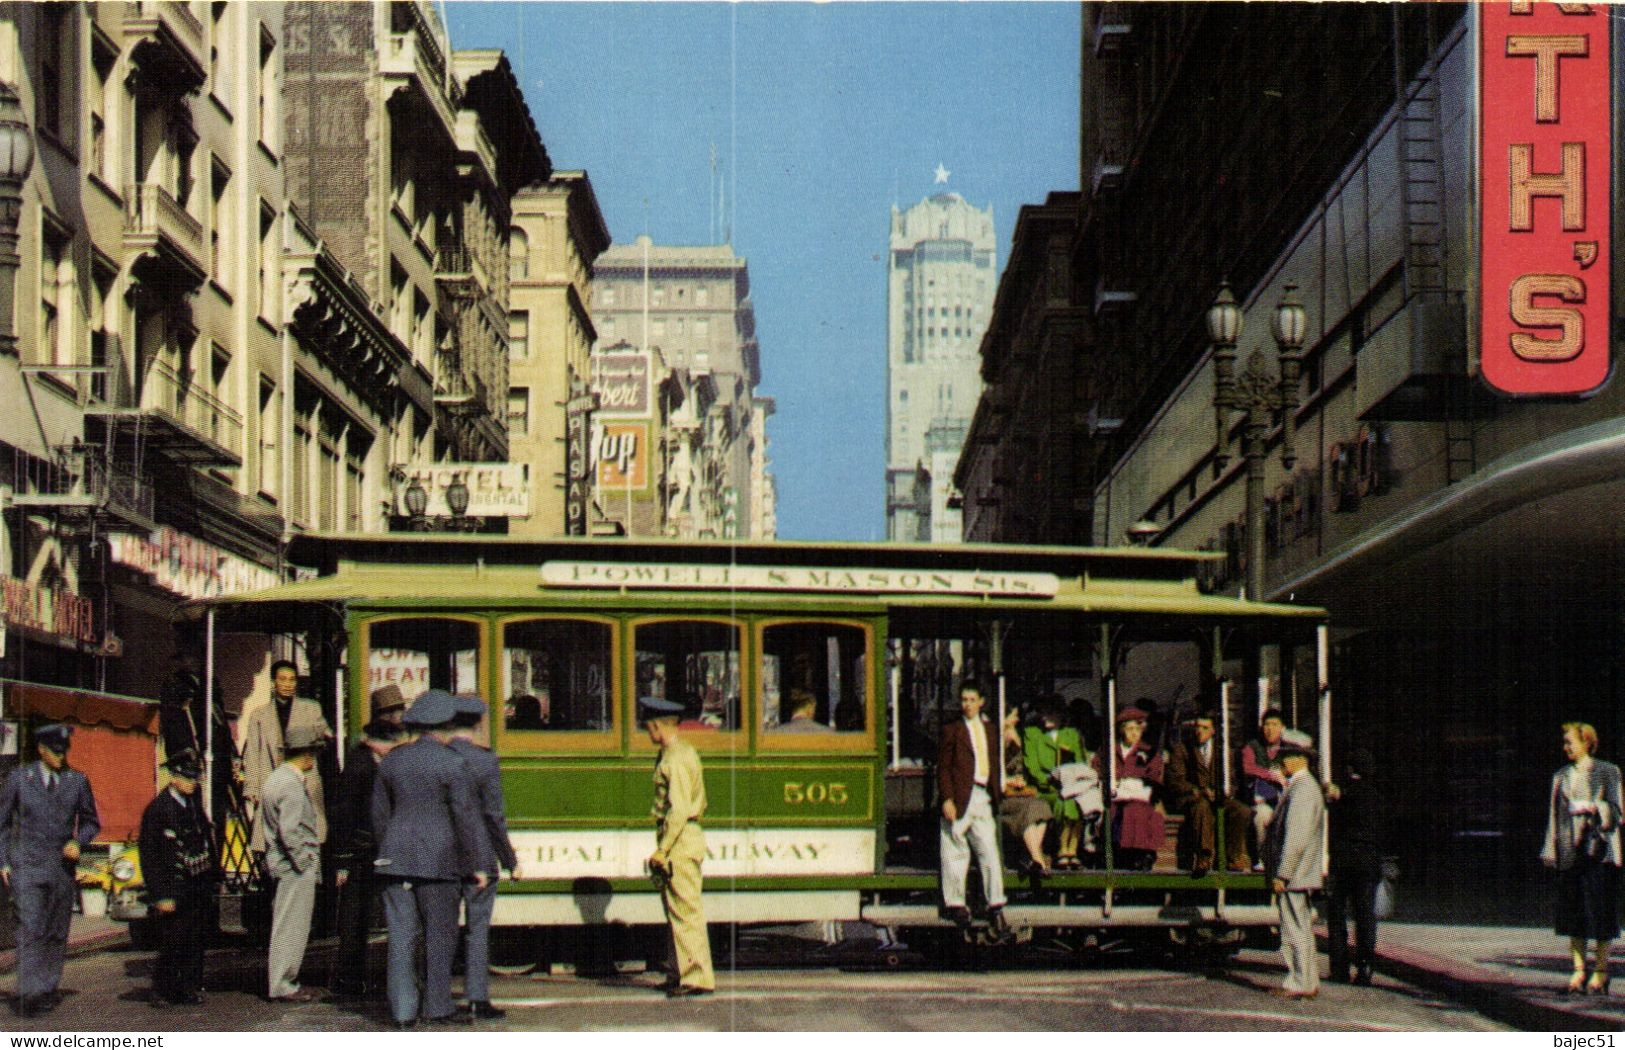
<point x="1258" y="393"/>
<point x="16" y="157"/>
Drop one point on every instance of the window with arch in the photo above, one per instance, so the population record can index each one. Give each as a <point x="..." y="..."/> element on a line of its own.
<point x="518" y="254"/>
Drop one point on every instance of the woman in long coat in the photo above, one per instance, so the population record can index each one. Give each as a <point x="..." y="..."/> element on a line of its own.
<point x="1583" y="845"/>
<point x="1044" y="747"/>
<point x="1137" y="823"/>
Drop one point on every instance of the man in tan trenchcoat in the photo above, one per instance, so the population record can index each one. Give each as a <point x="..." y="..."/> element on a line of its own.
<point x="263" y="736"/>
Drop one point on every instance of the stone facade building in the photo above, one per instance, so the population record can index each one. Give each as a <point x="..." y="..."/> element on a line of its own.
<point x="939" y="292"/>
<point x="693" y="305"/>
<point x="558" y="232"/>
<point x="1462" y="542"/>
<point x="240" y="308"/>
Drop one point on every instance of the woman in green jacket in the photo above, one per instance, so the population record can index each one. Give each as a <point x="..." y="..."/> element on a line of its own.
<point x="1044" y="747"/>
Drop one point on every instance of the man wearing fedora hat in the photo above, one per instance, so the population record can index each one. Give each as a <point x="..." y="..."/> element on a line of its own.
<point x="430" y="839"/>
<point x="1293" y="858"/>
<point x="355" y="847"/>
<point x="177" y="862"/>
<point x="388" y="704"/>
<point x="293" y="852"/>
<point x="47" y="815"/>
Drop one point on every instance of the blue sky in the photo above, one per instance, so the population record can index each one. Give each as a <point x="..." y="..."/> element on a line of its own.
<point x="822" y="116"/>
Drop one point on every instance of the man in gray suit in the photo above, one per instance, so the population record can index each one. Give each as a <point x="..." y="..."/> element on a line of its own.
<point x="480" y="901"/>
<point x="47" y="815"/>
<point x="430" y="838"/>
<point x="1294" y="858"/>
<point x="293" y="852"/>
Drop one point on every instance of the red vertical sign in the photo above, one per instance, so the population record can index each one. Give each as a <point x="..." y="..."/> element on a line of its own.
<point x="1545" y="154"/>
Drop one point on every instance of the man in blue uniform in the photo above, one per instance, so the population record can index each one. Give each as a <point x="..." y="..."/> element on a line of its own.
<point x="430" y="838"/>
<point x="480" y="901"/>
<point x="47" y="815"/>
<point x="177" y="861"/>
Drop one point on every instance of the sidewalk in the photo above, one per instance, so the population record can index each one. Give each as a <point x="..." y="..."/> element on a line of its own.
<point x="85" y="935"/>
<point x="1510" y="973"/>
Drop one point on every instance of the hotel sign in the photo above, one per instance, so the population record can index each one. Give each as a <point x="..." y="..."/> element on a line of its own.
<point x="1546" y="150"/>
<point x="768" y="578"/>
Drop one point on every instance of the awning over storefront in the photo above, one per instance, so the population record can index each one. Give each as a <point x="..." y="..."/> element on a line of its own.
<point x="79" y="706"/>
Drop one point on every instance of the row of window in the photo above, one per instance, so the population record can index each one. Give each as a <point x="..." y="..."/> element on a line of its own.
<point x="658" y="295"/>
<point x="561" y="675"/>
<point x="56" y="101"/>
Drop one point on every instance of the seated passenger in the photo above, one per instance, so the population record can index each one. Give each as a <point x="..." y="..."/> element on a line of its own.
<point x="1196" y="789"/>
<point x="527" y="712"/>
<point x="1137" y="824"/>
<point x="1022" y="814"/>
<point x="803" y="715"/>
<point x="1261" y="781"/>
<point x="1046" y="747"/>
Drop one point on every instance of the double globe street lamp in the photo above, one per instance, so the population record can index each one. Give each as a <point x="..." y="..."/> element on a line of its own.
<point x="1258" y="393"/>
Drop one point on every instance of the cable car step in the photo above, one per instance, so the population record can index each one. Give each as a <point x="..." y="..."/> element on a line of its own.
<point x="1084" y="915"/>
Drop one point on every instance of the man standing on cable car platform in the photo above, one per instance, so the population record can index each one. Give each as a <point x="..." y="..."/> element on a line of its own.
<point x="968" y="781"/>
<point x="679" y="805"/>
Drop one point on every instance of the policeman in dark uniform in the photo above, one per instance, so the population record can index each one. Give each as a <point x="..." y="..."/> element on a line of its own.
<point x="47" y="815"/>
<point x="177" y="861"/>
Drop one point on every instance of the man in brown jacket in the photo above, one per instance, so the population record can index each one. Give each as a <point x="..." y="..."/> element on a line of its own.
<point x="968" y="781"/>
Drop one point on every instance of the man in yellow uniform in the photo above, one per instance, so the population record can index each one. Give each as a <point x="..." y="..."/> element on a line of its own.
<point x="675" y="863"/>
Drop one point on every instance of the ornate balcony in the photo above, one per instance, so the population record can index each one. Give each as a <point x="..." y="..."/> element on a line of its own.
<point x="167" y="240"/>
<point x="166" y="46"/>
<point x="179" y="420"/>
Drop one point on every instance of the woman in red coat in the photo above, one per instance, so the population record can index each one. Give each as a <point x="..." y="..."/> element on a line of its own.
<point x="1137" y="824"/>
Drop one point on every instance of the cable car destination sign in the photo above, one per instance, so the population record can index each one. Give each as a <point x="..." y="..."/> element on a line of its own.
<point x="771" y="578"/>
<point x="1545" y="161"/>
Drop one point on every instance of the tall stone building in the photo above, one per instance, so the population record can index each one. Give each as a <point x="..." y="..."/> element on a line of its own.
<point x="227" y="316"/>
<point x="403" y="156"/>
<point x="558" y="232"/>
<point x="1464" y="544"/>
<point x="693" y="305"/>
<point x="939" y="293"/>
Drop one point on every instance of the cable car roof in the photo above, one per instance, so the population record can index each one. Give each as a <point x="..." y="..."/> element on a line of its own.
<point x="439" y="571"/>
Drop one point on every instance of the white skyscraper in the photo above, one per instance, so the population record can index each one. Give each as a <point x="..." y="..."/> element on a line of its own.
<point x="941" y="282"/>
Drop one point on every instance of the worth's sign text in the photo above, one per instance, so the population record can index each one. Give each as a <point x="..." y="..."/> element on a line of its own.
<point x="1546" y="152"/>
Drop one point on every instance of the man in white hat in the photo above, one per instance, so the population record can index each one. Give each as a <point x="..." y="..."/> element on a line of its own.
<point x="1293" y="858"/>
<point x="293" y="852"/>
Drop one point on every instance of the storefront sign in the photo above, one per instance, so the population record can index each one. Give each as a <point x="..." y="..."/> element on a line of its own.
<point x="767" y="578"/>
<point x="622" y="455"/>
<point x="621" y="379"/>
<point x="577" y="470"/>
<point x="1545" y="170"/>
<point x="188" y="566"/>
<point x="495" y="490"/>
<point x="62" y="615"/>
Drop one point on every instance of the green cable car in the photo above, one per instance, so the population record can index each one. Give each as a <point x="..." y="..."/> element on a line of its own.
<point x="813" y="680"/>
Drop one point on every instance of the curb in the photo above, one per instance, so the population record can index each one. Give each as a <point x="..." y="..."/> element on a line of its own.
<point x="87" y="944"/>
<point x="1495" y="1000"/>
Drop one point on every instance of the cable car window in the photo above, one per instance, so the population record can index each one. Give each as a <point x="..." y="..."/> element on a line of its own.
<point x="556" y="675"/>
<point x="427" y="652"/>
<point x="813" y="678"/>
<point x="693" y="664"/>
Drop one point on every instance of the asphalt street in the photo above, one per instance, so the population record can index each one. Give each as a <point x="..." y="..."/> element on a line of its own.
<point x="108" y="992"/>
